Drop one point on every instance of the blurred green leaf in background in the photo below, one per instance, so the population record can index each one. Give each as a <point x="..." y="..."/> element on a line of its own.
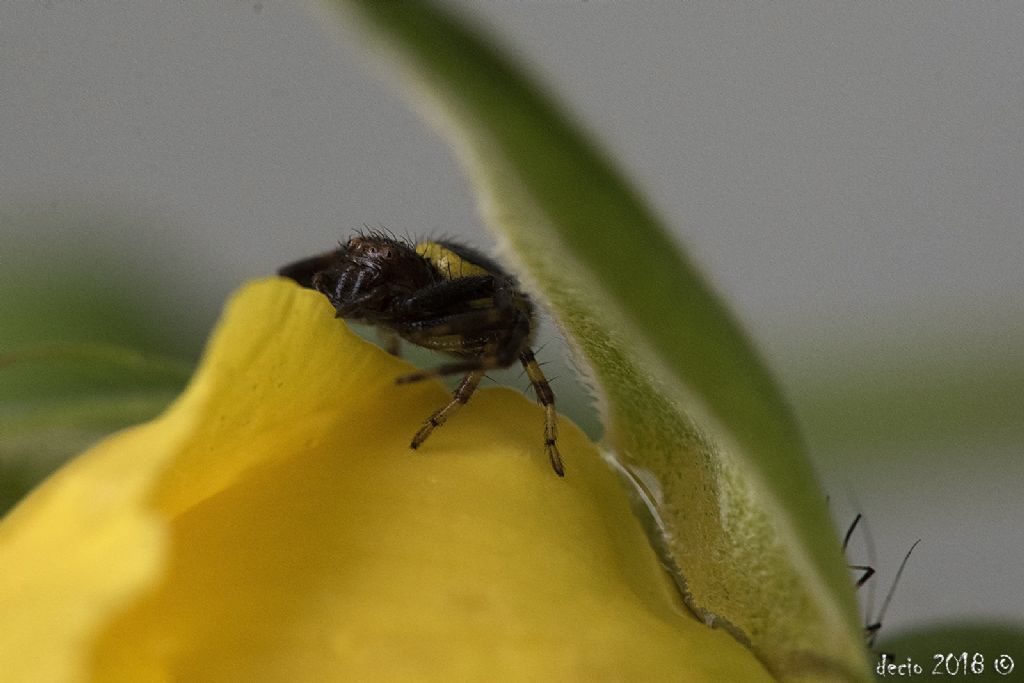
<point x="88" y="344"/>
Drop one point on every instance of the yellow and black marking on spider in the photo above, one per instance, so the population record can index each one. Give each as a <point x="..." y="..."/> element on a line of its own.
<point x="442" y="296"/>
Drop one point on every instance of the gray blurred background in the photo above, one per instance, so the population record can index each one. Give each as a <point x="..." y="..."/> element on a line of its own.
<point x="849" y="176"/>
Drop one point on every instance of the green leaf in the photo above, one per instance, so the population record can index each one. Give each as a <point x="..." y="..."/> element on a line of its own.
<point x="889" y="397"/>
<point x="87" y="345"/>
<point x="60" y="398"/>
<point x="687" y="404"/>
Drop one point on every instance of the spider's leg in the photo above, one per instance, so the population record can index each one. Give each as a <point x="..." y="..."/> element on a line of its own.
<point x="444" y="294"/>
<point x="472" y="365"/>
<point x="479" y="320"/>
<point x="488" y="360"/>
<point x="461" y="394"/>
<point x="547" y="399"/>
<point x="515" y="341"/>
<point x="422" y="331"/>
<point x="470" y="304"/>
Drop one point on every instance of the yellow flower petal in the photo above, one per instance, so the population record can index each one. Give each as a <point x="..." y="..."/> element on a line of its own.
<point x="274" y="525"/>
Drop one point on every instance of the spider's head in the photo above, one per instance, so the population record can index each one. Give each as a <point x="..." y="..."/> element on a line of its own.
<point x="369" y="274"/>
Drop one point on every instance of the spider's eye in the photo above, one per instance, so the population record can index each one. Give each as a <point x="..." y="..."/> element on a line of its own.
<point x="360" y="246"/>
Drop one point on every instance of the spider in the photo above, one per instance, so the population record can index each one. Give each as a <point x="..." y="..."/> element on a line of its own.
<point x="442" y="296"/>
